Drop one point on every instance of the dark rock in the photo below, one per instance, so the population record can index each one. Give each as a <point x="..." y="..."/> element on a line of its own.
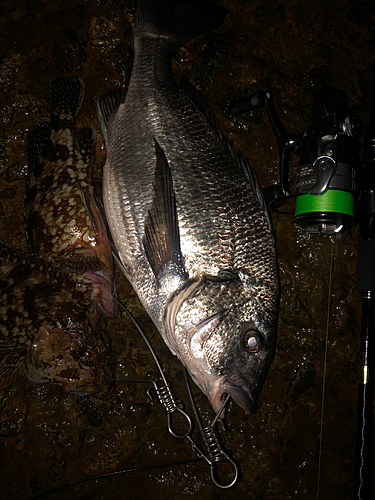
<point x="123" y="56"/>
<point x="2" y="149"/>
<point x="361" y="11"/>
<point x="67" y="51"/>
<point x="214" y="56"/>
<point x="8" y="194"/>
<point x="34" y="484"/>
<point x="353" y="37"/>
<point x="280" y="11"/>
<point x="128" y="6"/>
<point x="15" y="172"/>
<point x="262" y="11"/>
<point x="89" y="410"/>
<point x="321" y="76"/>
<point x="8" y="429"/>
<point x="302" y="381"/>
<point x="20" y="13"/>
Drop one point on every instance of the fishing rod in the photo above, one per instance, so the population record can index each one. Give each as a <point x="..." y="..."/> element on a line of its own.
<point x="366" y="286"/>
<point x="325" y="193"/>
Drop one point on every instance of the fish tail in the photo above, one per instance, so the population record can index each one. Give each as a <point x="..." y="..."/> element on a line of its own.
<point x="66" y="98"/>
<point x="177" y="20"/>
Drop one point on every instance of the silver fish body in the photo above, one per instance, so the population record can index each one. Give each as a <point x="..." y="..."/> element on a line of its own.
<point x="188" y="222"/>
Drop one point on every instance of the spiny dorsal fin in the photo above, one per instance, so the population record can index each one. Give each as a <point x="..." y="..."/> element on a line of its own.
<point x="86" y="142"/>
<point x="38" y="147"/>
<point x="106" y="108"/>
<point x="200" y="102"/>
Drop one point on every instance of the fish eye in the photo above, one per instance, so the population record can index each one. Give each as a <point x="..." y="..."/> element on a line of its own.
<point x="84" y="363"/>
<point x="253" y="341"/>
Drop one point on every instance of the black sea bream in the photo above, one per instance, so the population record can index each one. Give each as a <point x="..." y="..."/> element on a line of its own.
<point x="186" y="214"/>
<point x="63" y="222"/>
<point x="44" y="333"/>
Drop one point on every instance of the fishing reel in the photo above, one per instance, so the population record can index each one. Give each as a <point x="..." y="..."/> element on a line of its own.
<point x="325" y="182"/>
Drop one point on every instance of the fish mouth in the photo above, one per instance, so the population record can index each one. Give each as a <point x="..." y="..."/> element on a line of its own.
<point x="232" y="385"/>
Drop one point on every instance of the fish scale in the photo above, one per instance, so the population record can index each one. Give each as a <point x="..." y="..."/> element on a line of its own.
<point x="46" y="334"/>
<point x="63" y="222"/>
<point x="215" y="297"/>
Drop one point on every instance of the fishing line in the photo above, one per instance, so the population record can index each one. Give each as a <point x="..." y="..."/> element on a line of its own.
<point x="165" y="395"/>
<point x="212" y="441"/>
<point x="209" y="434"/>
<point x="114" y="473"/>
<point x="324" y="372"/>
<point x="135" y="323"/>
<point x="165" y="399"/>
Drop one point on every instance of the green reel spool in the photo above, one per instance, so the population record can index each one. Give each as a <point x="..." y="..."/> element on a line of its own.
<point x="325" y="213"/>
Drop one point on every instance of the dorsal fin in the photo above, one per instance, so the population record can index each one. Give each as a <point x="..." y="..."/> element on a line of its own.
<point x="38" y="147"/>
<point x="106" y="108"/>
<point x="86" y="142"/>
<point x="200" y="102"/>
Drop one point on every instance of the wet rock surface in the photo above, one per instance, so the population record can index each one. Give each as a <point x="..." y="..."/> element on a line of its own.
<point x="49" y="438"/>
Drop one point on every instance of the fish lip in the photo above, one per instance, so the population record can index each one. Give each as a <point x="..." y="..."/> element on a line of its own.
<point x="230" y="384"/>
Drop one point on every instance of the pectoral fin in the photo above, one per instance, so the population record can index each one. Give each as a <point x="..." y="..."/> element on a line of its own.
<point x="169" y="320"/>
<point x="79" y="261"/>
<point x="95" y="211"/>
<point x="161" y="240"/>
<point x="11" y="366"/>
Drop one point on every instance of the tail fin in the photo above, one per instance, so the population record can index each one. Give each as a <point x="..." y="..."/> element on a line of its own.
<point x="180" y="20"/>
